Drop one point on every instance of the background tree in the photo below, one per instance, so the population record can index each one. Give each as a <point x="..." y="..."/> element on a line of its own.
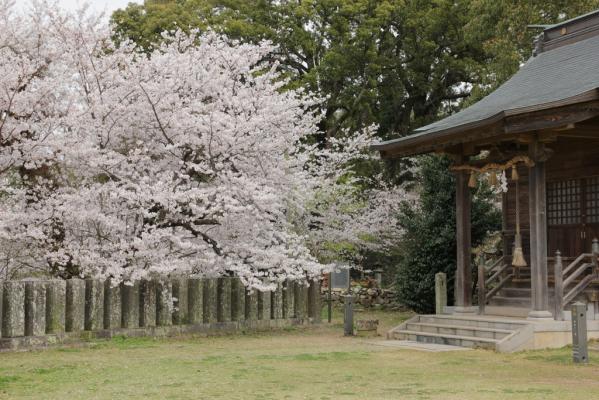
<point x="192" y="160"/>
<point x="429" y="243"/>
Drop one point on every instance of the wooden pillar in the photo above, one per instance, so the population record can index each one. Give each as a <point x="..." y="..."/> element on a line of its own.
<point x="463" y="276"/>
<point x="538" y="233"/>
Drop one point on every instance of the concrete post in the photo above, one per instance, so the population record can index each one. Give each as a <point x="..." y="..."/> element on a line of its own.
<point x="181" y="301"/>
<point x="35" y="308"/>
<point x="13" y="315"/>
<point x="196" y="300"/>
<point x="164" y="303"/>
<point x="56" y="293"/>
<point x="276" y="302"/>
<point x="130" y="296"/>
<point x="224" y="299"/>
<point x="75" y="305"/>
<point x="440" y="292"/>
<point x="112" y="305"/>
<point x="210" y="301"/>
<point x="237" y="300"/>
<point x="288" y="299"/>
<point x="147" y="303"/>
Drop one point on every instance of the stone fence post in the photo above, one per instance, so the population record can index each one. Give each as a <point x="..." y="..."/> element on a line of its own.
<point x="440" y="292"/>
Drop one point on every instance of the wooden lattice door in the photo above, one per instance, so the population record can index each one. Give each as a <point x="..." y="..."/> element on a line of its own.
<point x="572" y="215"/>
<point x="591" y="212"/>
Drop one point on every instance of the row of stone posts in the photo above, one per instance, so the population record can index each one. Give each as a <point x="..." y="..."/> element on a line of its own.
<point x="38" y="308"/>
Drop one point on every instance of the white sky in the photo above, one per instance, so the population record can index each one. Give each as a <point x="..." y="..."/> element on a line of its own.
<point x="98" y="5"/>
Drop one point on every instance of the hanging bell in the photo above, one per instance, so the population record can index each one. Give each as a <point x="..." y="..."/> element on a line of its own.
<point x="472" y="180"/>
<point x="492" y="178"/>
<point x="515" y="175"/>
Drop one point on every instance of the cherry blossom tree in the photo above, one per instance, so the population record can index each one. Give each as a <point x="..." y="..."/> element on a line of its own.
<point x="191" y="160"/>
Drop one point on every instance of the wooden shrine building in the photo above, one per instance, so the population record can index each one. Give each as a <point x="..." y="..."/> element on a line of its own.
<point x="540" y="132"/>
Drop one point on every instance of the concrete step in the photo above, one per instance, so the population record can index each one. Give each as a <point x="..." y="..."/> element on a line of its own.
<point x="469" y="321"/>
<point x="459" y="330"/>
<point x="452" y="340"/>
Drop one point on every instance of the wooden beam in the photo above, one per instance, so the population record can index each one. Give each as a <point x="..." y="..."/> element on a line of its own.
<point x="551" y="119"/>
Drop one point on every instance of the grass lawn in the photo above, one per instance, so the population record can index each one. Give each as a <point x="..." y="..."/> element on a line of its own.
<point x="314" y="363"/>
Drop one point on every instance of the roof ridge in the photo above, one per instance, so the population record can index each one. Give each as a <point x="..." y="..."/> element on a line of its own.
<point x="575" y="19"/>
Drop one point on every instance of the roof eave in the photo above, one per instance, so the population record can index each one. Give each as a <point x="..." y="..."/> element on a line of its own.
<point x="426" y="143"/>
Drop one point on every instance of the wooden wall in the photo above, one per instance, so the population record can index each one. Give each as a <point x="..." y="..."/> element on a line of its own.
<point x="572" y="159"/>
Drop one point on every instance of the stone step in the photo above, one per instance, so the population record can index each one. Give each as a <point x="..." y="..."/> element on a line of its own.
<point x="470" y="321"/>
<point x="503" y="301"/>
<point x="512" y="291"/>
<point x="516" y="312"/>
<point x="520" y="283"/>
<point x="452" y="340"/>
<point x="459" y="330"/>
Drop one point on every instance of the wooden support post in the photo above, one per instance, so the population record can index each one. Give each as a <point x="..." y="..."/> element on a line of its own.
<point x="463" y="277"/>
<point x="558" y="314"/>
<point x="538" y="233"/>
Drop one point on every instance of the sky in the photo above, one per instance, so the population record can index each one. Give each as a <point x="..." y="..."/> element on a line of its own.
<point x="98" y="5"/>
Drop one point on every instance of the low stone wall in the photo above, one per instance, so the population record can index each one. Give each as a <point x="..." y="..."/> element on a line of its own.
<point x="41" y="313"/>
<point x="365" y="297"/>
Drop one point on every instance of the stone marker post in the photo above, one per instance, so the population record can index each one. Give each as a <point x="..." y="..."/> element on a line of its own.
<point x="164" y="303"/>
<point x="181" y="301"/>
<point x="301" y="300"/>
<point x="348" y="315"/>
<point x="147" y="303"/>
<point x="94" y="304"/>
<point x="251" y="305"/>
<point x="237" y="300"/>
<point x="112" y="305"/>
<point x="440" y="292"/>
<point x="314" y="303"/>
<point x="276" y="302"/>
<point x="13" y="316"/>
<point x="35" y="308"/>
<point x="75" y="305"/>
<point x="210" y="301"/>
<point x="1" y="299"/>
<point x="130" y="297"/>
<point x="56" y="293"/>
<point x="224" y="299"/>
<point x="196" y="300"/>
<point x="264" y="305"/>
<point x="580" y="351"/>
<point x="288" y="299"/>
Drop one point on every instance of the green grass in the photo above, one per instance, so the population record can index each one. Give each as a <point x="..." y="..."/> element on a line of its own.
<point x="316" y="363"/>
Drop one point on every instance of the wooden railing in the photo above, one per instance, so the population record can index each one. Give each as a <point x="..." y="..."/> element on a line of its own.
<point x="575" y="278"/>
<point x="500" y="275"/>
